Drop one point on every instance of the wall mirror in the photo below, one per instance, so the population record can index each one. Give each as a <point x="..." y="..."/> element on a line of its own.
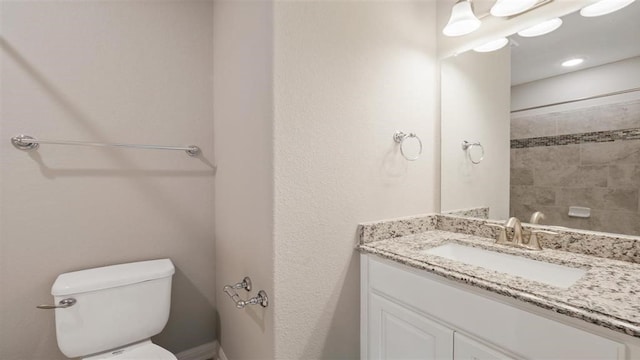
<point x="561" y="140"/>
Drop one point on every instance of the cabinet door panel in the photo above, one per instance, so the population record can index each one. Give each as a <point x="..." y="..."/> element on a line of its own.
<point x="396" y="332"/>
<point x="465" y="348"/>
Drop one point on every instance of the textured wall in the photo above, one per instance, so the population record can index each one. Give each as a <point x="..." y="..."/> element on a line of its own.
<point x="347" y="76"/>
<point x="581" y="158"/>
<point x="126" y="71"/>
<point x="243" y="105"/>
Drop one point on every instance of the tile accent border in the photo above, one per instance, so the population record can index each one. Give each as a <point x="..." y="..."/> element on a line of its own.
<point x="582" y="138"/>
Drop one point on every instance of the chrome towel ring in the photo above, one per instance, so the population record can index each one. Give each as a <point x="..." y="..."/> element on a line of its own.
<point x="467" y="146"/>
<point x="399" y="137"/>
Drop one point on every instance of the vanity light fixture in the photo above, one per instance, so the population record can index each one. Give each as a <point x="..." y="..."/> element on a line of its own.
<point x="504" y="8"/>
<point x="544" y="27"/>
<point x="462" y="21"/>
<point x="492" y="45"/>
<point x="604" y="7"/>
<point x="573" y="62"/>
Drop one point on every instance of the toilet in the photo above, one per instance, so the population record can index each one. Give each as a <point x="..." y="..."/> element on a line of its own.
<point x="117" y="309"/>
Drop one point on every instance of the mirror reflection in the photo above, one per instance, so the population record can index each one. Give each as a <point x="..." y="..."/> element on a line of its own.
<point x="562" y="143"/>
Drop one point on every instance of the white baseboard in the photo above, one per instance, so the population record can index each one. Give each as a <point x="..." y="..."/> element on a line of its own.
<point x="202" y="352"/>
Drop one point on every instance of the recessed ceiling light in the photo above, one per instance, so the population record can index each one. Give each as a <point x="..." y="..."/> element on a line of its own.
<point x="573" y="62"/>
<point x="511" y="7"/>
<point x="492" y="45"/>
<point x="604" y="7"/>
<point x="542" y="28"/>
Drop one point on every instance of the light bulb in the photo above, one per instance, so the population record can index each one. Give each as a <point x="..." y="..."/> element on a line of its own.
<point x="542" y="28"/>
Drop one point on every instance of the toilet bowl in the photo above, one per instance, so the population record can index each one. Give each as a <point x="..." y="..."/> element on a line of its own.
<point x="112" y="312"/>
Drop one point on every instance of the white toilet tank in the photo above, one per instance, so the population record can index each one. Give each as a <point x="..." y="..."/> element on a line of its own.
<point x="115" y="306"/>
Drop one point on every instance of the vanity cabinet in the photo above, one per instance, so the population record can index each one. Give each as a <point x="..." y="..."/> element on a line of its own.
<point x="408" y="313"/>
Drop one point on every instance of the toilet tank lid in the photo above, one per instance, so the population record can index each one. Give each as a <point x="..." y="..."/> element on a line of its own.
<point x="111" y="276"/>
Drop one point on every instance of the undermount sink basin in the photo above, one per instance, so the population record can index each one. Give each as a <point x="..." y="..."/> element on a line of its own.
<point x="544" y="272"/>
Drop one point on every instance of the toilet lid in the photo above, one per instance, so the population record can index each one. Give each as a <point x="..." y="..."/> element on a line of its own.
<point x="144" y="351"/>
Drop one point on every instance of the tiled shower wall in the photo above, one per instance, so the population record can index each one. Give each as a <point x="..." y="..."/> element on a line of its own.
<point x="587" y="157"/>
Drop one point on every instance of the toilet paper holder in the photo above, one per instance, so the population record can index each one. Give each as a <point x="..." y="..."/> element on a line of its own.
<point x="260" y="299"/>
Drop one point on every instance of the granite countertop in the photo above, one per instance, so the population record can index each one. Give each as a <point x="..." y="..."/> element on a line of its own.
<point x="607" y="295"/>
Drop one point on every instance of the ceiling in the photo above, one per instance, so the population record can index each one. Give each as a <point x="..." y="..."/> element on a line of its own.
<point x="600" y="40"/>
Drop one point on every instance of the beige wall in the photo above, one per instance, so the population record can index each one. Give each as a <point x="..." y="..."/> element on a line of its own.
<point x="347" y="75"/>
<point x="127" y="71"/>
<point x="243" y="105"/>
<point x="475" y="107"/>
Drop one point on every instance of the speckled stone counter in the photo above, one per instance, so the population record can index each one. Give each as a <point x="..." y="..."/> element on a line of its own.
<point x="607" y="295"/>
<point x="610" y="246"/>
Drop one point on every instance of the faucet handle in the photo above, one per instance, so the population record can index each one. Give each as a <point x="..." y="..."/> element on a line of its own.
<point x="534" y="243"/>
<point x="502" y="237"/>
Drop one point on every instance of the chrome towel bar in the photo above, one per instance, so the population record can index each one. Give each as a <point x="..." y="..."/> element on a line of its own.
<point x="260" y="299"/>
<point x="28" y="143"/>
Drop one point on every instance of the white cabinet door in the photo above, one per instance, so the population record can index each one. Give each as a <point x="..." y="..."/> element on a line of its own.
<point x="396" y="332"/>
<point x="465" y="348"/>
